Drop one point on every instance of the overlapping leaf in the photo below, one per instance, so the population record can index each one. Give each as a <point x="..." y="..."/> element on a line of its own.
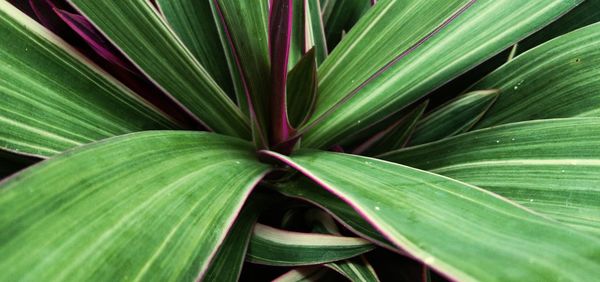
<point x="228" y="261"/>
<point x="244" y="25"/>
<point x="304" y="189"/>
<point x="551" y="166"/>
<point x="273" y="246"/>
<point x="355" y="269"/>
<point x="138" y="30"/>
<point x="465" y="232"/>
<point x="456" y="116"/>
<point x="54" y="99"/>
<point x="375" y="72"/>
<point x="588" y="12"/>
<point x="152" y="205"/>
<point x="557" y="79"/>
<point x="297" y="40"/>
<point x="315" y="30"/>
<point x="194" y="24"/>
<point x="339" y="16"/>
<point x="302" y="89"/>
<point x="303" y="274"/>
<point x="395" y="136"/>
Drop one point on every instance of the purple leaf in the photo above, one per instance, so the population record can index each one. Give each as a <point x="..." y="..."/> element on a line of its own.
<point x="94" y="38"/>
<point x="280" y="32"/>
<point x="44" y="11"/>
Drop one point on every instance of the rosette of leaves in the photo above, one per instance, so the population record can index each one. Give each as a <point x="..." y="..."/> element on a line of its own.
<point x="186" y="140"/>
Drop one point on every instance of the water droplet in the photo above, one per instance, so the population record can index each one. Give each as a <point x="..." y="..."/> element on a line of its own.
<point x="516" y="87"/>
<point x="358" y="121"/>
<point x="562" y="170"/>
<point x="237" y="162"/>
<point x="497" y="141"/>
<point x="531" y="200"/>
<point x="377" y="208"/>
<point x="513" y="139"/>
<point x="368" y="163"/>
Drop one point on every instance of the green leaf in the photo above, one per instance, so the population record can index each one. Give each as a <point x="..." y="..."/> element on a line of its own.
<point x="54" y="99"/>
<point x="464" y="232"/>
<point x="297" y="44"/>
<point x="227" y="263"/>
<point x="304" y="189"/>
<point x="304" y="274"/>
<point x="355" y="269"/>
<point x="557" y="79"/>
<point x="360" y="83"/>
<point x="550" y="166"/>
<point x="395" y="136"/>
<point x="588" y="12"/>
<point x="151" y="205"/>
<point x="339" y="16"/>
<point x="321" y="222"/>
<point x="315" y="32"/>
<point x="237" y="79"/>
<point x="302" y="89"/>
<point x="194" y="24"/>
<point x="245" y="23"/>
<point x="273" y="246"/>
<point x="140" y="32"/>
<point x="355" y="139"/>
<point x="456" y="116"/>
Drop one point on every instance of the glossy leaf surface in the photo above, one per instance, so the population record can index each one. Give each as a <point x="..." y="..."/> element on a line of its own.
<point x="228" y="261"/>
<point x="151" y="205"/>
<point x="302" y="89"/>
<point x="304" y="189"/>
<point x="245" y="24"/>
<point x="555" y="80"/>
<point x="550" y="166"/>
<point x="460" y="230"/>
<point x="273" y="246"/>
<point x="315" y="32"/>
<point x="55" y="99"/>
<point x="303" y="274"/>
<point x="361" y="82"/>
<point x="454" y="117"/>
<point x="194" y="24"/>
<point x="355" y="269"/>
<point x="587" y="13"/>
<point x="395" y="136"/>
<point x="145" y="38"/>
